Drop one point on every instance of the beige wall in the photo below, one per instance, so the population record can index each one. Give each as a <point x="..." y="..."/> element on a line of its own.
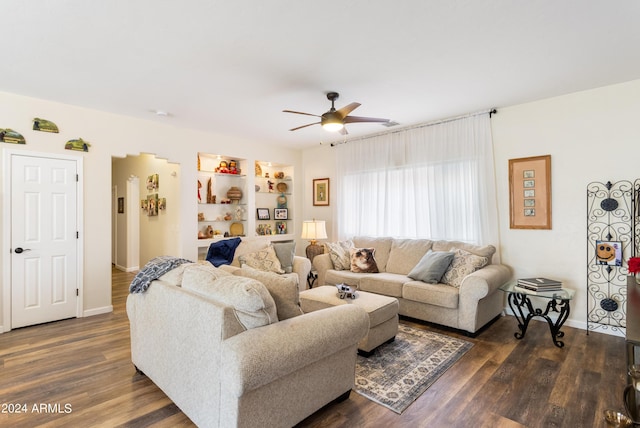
<point x="591" y="136"/>
<point x="117" y="136"/>
<point x="157" y="235"/>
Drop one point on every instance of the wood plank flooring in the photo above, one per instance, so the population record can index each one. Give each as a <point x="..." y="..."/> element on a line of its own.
<point x="78" y="373"/>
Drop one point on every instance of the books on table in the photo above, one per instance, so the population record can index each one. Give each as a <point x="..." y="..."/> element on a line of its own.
<point x="519" y="289"/>
<point x="539" y="284"/>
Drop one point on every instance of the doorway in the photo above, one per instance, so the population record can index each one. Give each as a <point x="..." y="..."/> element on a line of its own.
<point x="42" y="207"/>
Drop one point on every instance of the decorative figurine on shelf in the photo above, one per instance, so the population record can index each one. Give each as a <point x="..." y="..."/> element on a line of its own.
<point x="200" y="216"/>
<point x="266" y="175"/>
<point x="282" y="201"/>
<point x="199" y="187"/>
<point x="239" y="213"/>
<point x="209" y="232"/>
<point x="223" y="168"/>
<point x="270" y="183"/>
<point x="235" y="194"/>
<point x="227" y="216"/>
<point x="233" y="167"/>
<point x="210" y="198"/>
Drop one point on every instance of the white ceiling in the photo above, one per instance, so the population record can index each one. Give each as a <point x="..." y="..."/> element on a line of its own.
<point x="231" y="67"/>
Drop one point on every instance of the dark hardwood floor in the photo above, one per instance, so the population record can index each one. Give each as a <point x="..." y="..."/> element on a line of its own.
<point x="78" y="373"/>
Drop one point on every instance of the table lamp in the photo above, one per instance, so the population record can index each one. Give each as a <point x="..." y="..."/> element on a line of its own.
<point x="314" y="230"/>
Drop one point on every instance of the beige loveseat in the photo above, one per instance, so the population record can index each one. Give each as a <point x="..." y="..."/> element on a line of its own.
<point x="468" y="306"/>
<point x="208" y="351"/>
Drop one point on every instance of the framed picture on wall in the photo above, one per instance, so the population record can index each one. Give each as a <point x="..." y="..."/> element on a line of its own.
<point x="530" y="192"/>
<point x="321" y="192"/>
<point x="152" y="205"/>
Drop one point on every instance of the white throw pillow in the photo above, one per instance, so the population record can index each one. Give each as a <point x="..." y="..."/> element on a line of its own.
<point x="339" y="254"/>
<point x="463" y="264"/>
<point x="265" y="259"/>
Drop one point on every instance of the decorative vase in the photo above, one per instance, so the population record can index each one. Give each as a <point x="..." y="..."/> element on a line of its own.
<point x="235" y="194"/>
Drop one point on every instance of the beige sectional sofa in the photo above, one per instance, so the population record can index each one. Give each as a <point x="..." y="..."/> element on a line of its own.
<point x="473" y="302"/>
<point x="213" y="343"/>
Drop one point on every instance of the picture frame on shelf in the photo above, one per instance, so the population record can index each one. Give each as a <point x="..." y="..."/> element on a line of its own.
<point x="321" y="192"/>
<point x="263" y="214"/>
<point x="281" y="227"/>
<point x="530" y="192"/>
<point x="280" y="213"/>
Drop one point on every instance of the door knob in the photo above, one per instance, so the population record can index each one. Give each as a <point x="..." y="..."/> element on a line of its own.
<point x="20" y="250"/>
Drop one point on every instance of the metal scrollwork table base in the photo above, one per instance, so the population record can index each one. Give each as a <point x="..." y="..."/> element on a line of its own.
<point x="522" y="308"/>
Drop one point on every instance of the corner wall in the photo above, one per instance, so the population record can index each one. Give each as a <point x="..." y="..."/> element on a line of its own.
<point x="112" y="135"/>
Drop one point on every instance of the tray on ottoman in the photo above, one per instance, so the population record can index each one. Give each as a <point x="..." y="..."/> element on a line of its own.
<point x="382" y="311"/>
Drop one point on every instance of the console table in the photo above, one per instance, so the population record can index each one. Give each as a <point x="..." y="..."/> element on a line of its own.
<point x="522" y="308"/>
<point x="633" y="321"/>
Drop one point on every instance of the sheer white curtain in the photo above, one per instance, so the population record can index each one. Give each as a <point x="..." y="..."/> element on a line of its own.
<point x="434" y="181"/>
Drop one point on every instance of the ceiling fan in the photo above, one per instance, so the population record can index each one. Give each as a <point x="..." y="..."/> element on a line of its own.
<point x="334" y="120"/>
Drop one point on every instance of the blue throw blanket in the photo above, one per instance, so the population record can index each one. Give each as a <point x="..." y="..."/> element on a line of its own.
<point x="154" y="269"/>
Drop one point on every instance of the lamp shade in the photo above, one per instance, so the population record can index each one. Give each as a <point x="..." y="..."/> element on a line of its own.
<point x="314" y="230"/>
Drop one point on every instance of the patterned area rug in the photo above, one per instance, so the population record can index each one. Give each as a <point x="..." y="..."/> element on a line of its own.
<point x="397" y="373"/>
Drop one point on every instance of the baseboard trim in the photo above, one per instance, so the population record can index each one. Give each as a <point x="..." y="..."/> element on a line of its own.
<point x="127" y="269"/>
<point x="98" y="311"/>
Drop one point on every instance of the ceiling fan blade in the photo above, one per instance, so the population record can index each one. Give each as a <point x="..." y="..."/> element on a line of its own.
<point x="299" y="112"/>
<point x="304" y="126"/>
<point x="355" y="119"/>
<point x="348" y="109"/>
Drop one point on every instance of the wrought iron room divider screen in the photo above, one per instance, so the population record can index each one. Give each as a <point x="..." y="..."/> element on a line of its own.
<point x="613" y="236"/>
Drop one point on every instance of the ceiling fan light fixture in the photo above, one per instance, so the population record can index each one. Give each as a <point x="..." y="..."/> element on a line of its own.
<point x="333" y="126"/>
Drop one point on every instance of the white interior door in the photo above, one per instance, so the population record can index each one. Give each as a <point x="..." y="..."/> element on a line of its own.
<point x="44" y="240"/>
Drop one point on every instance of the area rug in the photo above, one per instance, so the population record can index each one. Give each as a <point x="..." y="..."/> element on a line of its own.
<point x="397" y="373"/>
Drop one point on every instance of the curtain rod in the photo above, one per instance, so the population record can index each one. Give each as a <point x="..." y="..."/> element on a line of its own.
<point x="420" y="125"/>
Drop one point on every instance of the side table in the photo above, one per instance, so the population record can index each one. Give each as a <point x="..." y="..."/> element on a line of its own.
<point x="522" y="308"/>
<point x="311" y="278"/>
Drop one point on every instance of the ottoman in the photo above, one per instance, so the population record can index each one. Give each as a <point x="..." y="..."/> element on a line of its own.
<point x="382" y="311"/>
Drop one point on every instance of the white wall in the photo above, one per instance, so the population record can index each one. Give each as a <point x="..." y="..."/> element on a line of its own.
<point x="591" y="136"/>
<point x="113" y="135"/>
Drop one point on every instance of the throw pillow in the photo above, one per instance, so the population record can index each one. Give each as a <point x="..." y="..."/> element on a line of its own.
<point x="463" y="264"/>
<point x="221" y="252"/>
<point x="362" y="260"/>
<point x="264" y="259"/>
<point x="285" y="251"/>
<point x="339" y="254"/>
<point x="253" y="304"/>
<point x="283" y="289"/>
<point x="431" y="266"/>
